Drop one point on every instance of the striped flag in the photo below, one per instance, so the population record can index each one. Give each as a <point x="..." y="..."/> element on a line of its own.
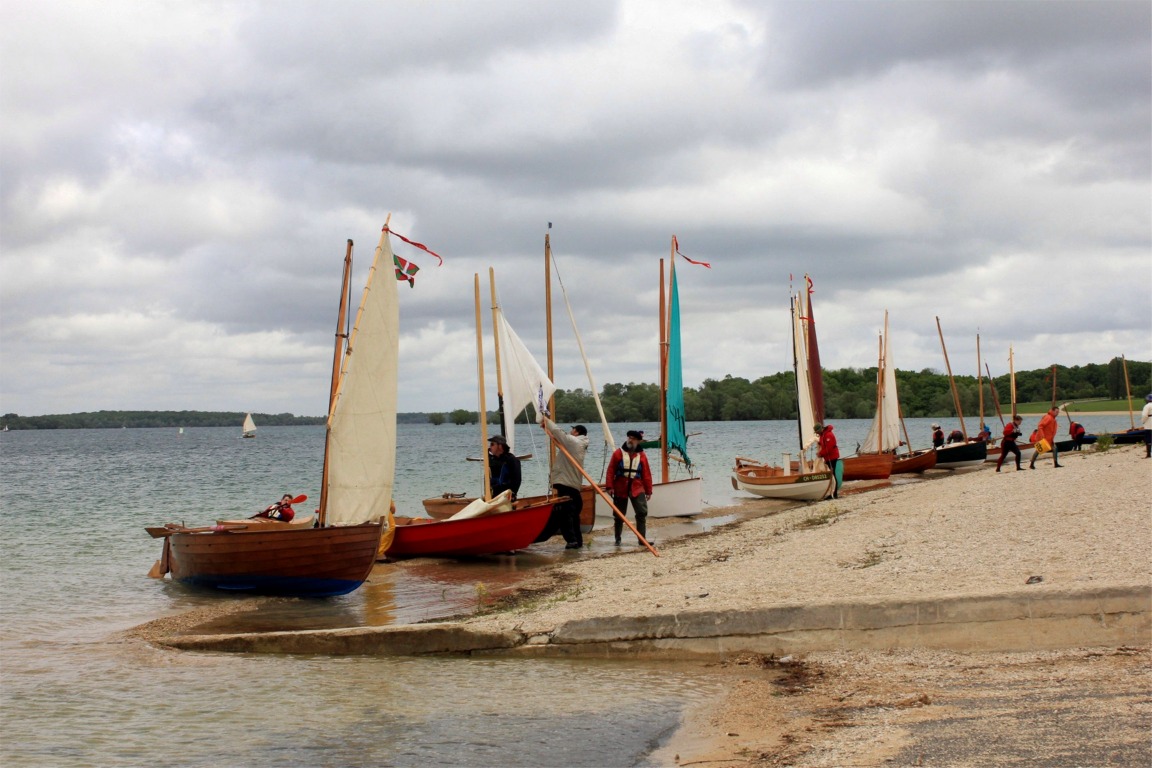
<point x="405" y="270"/>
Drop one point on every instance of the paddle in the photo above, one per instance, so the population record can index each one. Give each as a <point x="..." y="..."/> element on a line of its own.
<point x="160" y="533"/>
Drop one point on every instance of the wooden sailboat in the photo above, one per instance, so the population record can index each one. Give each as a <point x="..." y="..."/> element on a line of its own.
<point x="682" y="497"/>
<point x="884" y="434"/>
<point x="1135" y="434"/>
<point x="502" y="527"/>
<point x="336" y="556"/>
<point x="249" y="428"/>
<point x="811" y="481"/>
<point x="967" y="453"/>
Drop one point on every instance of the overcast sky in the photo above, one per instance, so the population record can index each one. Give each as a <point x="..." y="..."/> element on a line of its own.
<point x="179" y="180"/>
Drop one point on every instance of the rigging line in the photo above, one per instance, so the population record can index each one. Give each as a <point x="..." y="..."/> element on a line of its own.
<point x="608" y="441"/>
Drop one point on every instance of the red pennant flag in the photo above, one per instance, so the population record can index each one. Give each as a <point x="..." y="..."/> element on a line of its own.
<point x="421" y="246"/>
<point x="676" y="247"/>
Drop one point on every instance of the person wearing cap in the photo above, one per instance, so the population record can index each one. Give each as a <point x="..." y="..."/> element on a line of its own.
<point x="1046" y="430"/>
<point x="829" y="450"/>
<point x="503" y="467"/>
<point x="566" y="479"/>
<point x="1146" y="423"/>
<point x="630" y="477"/>
<point x="937" y="436"/>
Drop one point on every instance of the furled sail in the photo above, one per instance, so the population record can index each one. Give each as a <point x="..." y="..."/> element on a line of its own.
<point x="884" y="434"/>
<point x="676" y="436"/>
<point x="362" y="422"/>
<point x="807" y="418"/>
<point x="524" y="381"/>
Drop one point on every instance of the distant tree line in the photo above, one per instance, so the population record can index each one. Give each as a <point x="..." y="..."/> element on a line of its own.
<point x="849" y="393"/>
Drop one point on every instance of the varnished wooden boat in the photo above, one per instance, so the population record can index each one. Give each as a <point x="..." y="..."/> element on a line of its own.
<point x="868" y="466"/>
<point x="491" y="534"/>
<point x="919" y="461"/>
<point x="303" y="562"/>
<point x="771" y="482"/>
<point x="268" y="524"/>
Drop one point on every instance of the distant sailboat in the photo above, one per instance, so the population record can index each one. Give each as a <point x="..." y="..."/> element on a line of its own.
<point x="249" y="428"/>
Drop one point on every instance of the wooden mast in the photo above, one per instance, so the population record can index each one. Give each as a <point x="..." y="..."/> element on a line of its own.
<point x="880" y="387"/>
<point x="480" y="380"/>
<point x="496" y="348"/>
<point x="952" y="382"/>
<point x="337" y="359"/>
<point x="980" y="383"/>
<point x="1128" y="391"/>
<point x="664" y="376"/>
<point x="1012" y="381"/>
<point x="548" y="333"/>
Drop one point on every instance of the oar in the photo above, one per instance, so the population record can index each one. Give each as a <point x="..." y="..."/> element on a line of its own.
<point x="160" y="533"/>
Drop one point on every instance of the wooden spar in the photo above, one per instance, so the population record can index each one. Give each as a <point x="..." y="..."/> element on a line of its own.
<point x="1053" y="385"/>
<point x="880" y="388"/>
<point x="952" y="382"/>
<point x="496" y="348"/>
<point x="979" y="383"/>
<point x="337" y="362"/>
<point x="663" y="344"/>
<point x="599" y="490"/>
<point x="483" y="418"/>
<point x="995" y="397"/>
<point x="1128" y="391"/>
<point x="1012" y="381"/>
<point x="548" y="332"/>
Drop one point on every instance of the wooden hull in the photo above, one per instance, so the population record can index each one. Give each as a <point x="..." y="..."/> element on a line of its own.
<point x="300" y="562"/>
<point x="868" y="466"/>
<point x="267" y="524"/>
<point x="772" y="483"/>
<point x="488" y="535"/>
<point x="1129" y="437"/>
<point x="961" y="455"/>
<point x="443" y="507"/>
<point x="677" y="498"/>
<point x="916" y="462"/>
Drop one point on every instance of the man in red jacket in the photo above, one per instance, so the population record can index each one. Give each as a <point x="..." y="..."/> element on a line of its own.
<point x="830" y="452"/>
<point x="631" y="479"/>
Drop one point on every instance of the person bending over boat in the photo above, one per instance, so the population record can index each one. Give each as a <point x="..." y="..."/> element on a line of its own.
<point x="503" y="467"/>
<point x="631" y="479"/>
<point x="566" y="479"/>
<point x="1076" y="432"/>
<point x="281" y="510"/>
<point x="1008" y="442"/>
<point x="830" y="452"/>
<point x="937" y="436"/>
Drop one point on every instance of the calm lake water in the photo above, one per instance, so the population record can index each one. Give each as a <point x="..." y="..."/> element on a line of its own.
<point x="75" y="554"/>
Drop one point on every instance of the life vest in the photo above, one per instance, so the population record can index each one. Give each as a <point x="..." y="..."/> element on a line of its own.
<point x="629" y="465"/>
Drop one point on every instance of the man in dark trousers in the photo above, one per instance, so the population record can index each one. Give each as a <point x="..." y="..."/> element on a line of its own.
<point x="566" y="478"/>
<point x="631" y="480"/>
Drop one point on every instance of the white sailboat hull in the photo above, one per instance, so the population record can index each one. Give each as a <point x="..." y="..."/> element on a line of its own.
<point x="771" y="482"/>
<point x="676" y="498"/>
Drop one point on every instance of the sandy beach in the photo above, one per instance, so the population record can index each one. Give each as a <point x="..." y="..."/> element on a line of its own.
<point x="969" y="533"/>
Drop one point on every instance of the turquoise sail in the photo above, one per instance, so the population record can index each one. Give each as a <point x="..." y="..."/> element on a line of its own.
<point x="676" y="438"/>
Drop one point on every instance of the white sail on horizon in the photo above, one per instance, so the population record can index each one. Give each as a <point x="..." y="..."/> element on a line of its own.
<point x="249" y="427"/>
<point x="362" y="423"/>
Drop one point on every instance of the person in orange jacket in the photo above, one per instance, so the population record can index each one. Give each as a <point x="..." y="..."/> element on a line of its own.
<point x="1046" y="429"/>
<point x="630" y="477"/>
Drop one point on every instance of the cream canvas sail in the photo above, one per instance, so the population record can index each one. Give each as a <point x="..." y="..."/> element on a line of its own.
<point x="362" y="423"/>
<point x="249" y="427"/>
<point x="884" y="434"/>
<point x="525" y="382"/>
<point x="803" y="381"/>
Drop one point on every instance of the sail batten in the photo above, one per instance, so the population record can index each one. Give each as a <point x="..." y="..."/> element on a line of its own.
<point x="362" y="422"/>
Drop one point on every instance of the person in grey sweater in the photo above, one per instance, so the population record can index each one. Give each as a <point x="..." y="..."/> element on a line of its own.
<point x="566" y="478"/>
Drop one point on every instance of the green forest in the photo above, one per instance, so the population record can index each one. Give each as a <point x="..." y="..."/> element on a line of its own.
<point x="849" y="393"/>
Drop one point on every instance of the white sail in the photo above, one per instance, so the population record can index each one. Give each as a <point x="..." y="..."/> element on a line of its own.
<point x="362" y="424"/>
<point x="249" y="427"/>
<point x="884" y="434"/>
<point x="803" y="380"/>
<point x="524" y="381"/>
